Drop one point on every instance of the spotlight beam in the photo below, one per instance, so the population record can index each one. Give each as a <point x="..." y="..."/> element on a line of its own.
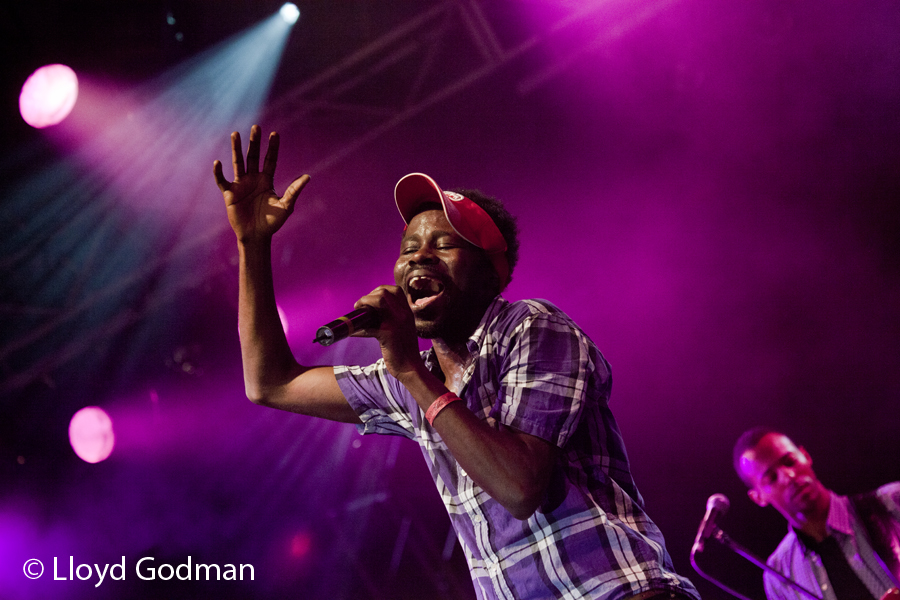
<point x="117" y="324"/>
<point x="97" y="265"/>
<point x="201" y="129"/>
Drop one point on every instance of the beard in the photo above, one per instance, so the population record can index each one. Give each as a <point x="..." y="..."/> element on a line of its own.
<point x="453" y="325"/>
<point x="459" y="318"/>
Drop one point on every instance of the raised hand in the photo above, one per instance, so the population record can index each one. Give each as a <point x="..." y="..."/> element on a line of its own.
<point x="255" y="210"/>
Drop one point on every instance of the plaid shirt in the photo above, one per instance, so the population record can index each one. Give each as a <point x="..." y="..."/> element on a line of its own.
<point x="537" y="372"/>
<point x="805" y="566"/>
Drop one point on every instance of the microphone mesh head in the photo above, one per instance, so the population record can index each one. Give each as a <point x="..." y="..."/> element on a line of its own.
<point x="718" y="502"/>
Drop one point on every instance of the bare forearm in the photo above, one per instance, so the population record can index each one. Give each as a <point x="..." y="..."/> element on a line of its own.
<point x="271" y="375"/>
<point x="267" y="358"/>
<point x="512" y="467"/>
<point x="507" y="467"/>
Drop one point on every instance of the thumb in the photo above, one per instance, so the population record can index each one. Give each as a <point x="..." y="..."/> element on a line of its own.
<point x="293" y="191"/>
<point x="221" y="182"/>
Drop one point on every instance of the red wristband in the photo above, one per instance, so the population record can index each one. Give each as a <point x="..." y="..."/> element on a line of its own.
<point x="439" y="405"/>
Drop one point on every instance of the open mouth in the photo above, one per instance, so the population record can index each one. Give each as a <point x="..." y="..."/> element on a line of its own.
<point x="422" y="290"/>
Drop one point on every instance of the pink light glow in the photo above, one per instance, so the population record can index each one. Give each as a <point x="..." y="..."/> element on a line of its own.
<point x="48" y="95"/>
<point x="284" y="320"/>
<point x="91" y="434"/>
<point x="301" y="544"/>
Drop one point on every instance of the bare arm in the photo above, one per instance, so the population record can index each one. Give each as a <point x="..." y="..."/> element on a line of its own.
<point x="513" y="467"/>
<point x="272" y="377"/>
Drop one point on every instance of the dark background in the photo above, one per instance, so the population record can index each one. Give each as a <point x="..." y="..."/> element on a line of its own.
<point x="710" y="189"/>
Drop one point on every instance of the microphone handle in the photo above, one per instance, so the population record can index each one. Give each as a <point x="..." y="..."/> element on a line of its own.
<point x="342" y="327"/>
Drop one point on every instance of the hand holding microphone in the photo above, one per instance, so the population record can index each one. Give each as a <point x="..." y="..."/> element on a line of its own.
<point x="384" y="314"/>
<point x="373" y="309"/>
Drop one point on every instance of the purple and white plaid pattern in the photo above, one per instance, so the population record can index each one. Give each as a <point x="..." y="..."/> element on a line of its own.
<point x="537" y="372"/>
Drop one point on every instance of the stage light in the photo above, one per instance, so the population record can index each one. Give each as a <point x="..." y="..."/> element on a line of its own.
<point x="91" y="434"/>
<point x="290" y="13"/>
<point x="48" y="95"/>
<point x="105" y="229"/>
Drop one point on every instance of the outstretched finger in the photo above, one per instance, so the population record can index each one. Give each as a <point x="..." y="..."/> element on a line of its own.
<point x="253" y="150"/>
<point x="237" y="156"/>
<point x="223" y="183"/>
<point x="271" y="155"/>
<point x="293" y="191"/>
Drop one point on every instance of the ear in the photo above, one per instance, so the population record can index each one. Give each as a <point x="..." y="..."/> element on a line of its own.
<point x="755" y="497"/>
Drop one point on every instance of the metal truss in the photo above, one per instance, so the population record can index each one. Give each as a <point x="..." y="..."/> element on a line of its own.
<point x="437" y="55"/>
<point x="409" y="69"/>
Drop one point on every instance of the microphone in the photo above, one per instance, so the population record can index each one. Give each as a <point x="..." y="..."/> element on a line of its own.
<point x="342" y="327"/>
<point x="716" y="506"/>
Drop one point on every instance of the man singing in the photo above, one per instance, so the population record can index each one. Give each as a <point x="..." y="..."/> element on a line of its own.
<point x="509" y="406"/>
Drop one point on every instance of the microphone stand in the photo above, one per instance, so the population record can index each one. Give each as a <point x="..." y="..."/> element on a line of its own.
<point x="721" y="537"/>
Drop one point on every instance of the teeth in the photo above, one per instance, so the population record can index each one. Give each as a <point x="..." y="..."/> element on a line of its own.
<point x="422" y="286"/>
<point x="421" y="282"/>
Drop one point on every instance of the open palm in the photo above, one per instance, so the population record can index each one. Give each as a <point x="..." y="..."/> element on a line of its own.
<point x="255" y="210"/>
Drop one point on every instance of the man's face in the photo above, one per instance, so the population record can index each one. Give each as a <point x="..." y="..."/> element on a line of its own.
<point x="448" y="282"/>
<point x="781" y="474"/>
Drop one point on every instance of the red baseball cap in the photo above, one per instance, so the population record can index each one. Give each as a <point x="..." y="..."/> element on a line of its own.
<point x="467" y="218"/>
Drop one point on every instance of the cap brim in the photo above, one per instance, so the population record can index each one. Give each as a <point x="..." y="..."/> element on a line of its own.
<point x="412" y="191"/>
<point x="467" y="218"/>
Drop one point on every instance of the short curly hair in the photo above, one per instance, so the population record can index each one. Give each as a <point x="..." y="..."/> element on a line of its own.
<point x="504" y="220"/>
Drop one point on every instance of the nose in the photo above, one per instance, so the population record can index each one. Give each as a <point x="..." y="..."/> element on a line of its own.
<point x="786" y="474"/>
<point x="422" y="256"/>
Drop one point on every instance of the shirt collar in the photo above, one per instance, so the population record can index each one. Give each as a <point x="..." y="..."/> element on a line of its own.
<point x="838" y="520"/>
<point x="493" y="309"/>
<point x="839" y="515"/>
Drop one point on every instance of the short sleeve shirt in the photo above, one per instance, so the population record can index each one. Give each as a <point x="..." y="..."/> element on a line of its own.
<point x="534" y="371"/>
